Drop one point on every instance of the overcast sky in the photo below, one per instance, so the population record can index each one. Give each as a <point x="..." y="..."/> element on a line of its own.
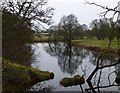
<point x="84" y="12"/>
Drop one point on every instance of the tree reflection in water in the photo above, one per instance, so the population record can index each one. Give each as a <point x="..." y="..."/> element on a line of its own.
<point x="69" y="59"/>
<point x="104" y="60"/>
<point x="99" y="70"/>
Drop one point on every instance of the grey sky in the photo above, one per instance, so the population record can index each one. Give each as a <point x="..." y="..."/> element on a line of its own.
<point x="84" y="12"/>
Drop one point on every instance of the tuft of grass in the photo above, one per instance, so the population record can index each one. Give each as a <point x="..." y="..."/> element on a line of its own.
<point x="76" y="80"/>
<point x="23" y="75"/>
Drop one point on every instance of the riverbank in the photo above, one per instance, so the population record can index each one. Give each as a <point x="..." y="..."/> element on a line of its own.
<point x="41" y="39"/>
<point x="97" y="45"/>
<point x="92" y="44"/>
<point x="18" y="77"/>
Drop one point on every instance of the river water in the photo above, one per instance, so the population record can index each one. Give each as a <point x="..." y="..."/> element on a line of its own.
<point x="66" y="61"/>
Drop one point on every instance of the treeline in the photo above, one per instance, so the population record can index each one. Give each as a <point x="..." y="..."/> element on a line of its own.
<point x="69" y="28"/>
<point x="103" y="28"/>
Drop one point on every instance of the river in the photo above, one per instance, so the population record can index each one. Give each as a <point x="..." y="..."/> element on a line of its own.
<point x="66" y="61"/>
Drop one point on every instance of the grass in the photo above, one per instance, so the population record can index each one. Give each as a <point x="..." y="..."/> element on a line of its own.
<point x="14" y="74"/>
<point x="96" y="43"/>
<point x="84" y="42"/>
<point x="39" y="38"/>
<point x="92" y="44"/>
<point x="46" y="39"/>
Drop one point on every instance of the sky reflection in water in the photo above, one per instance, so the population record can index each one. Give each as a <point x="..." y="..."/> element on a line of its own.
<point x="66" y="61"/>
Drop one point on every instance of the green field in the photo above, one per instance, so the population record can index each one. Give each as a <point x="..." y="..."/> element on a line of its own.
<point x="96" y="43"/>
<point x="84" y="42"/>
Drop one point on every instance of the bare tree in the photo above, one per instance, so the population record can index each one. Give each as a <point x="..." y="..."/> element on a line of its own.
<point x="29" y="10"/>
<point x="68" y="24"/>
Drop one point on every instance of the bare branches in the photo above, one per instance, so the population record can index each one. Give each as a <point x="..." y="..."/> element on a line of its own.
<point x="84" y="70"/>
<point x="98" y="67"/>
<point x="102" y="87"/>
<point x="29" y="10"/>
<point x="107" y="9"/>
<point x="109" y="76"/>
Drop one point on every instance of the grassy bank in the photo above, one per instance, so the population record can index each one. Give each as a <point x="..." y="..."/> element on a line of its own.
<point x="97" y="45"/>
<point x="14" y="75"/>
<point x="37" y="39"/>
<point x="40" y="38"/>
<point x="92" y="44"/>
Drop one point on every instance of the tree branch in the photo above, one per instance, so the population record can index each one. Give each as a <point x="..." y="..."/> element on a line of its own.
<point x="106" y="8"/>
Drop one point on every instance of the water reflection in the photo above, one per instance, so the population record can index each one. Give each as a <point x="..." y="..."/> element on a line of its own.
<point x="104" y="60"/>
<point x="66" y="61"/>
<point x="41" y="87"/>
<point x="69" y="57"/>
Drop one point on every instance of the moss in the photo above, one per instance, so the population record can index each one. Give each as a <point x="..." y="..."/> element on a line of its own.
<point x="66" y="82"/>
<point x="76" y="80"/>
<point x="23" y="75"/>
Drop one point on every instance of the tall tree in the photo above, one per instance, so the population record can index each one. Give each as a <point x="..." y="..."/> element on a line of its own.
<point x="102" y="28"/>
<point x="68" y="24"/>
<point x="94" y="26"/>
